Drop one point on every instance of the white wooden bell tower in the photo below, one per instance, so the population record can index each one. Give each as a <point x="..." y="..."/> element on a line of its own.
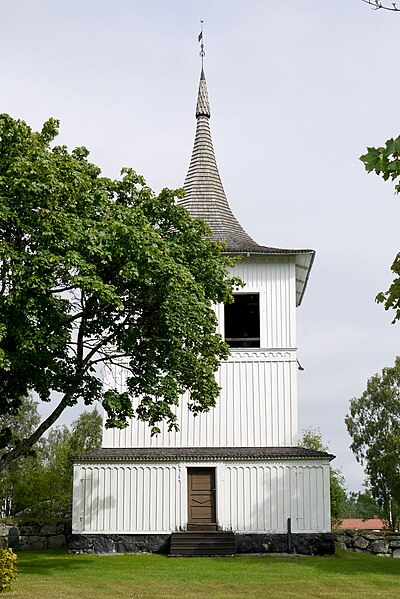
<point x="237" y="467"/>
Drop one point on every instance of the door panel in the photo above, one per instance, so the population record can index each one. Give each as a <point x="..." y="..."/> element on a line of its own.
<point x="201" y="495"/>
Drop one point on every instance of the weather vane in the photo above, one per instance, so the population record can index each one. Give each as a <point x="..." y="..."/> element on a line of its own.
<point x="200" y="39"/>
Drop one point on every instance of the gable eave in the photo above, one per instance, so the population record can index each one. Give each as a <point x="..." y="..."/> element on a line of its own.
<point x="304" y="260"/>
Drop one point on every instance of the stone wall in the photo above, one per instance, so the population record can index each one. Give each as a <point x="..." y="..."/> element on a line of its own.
<point x="306" y="544"/>
<point x="300" y="543"/>
<point x="54" y="535"/>
<point x="35" y="535"/>
<point x="384" y="544"/>
<point x="108" y="543"/>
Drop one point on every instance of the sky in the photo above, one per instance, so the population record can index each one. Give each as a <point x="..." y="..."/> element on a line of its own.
<point x="298" y="90"/>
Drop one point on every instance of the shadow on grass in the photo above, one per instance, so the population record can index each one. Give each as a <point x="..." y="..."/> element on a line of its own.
<point x="47" y="562"/>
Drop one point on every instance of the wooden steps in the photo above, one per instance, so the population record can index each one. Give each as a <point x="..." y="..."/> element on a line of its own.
<point x="202" y="527"/>
<point x="201" y="543"/>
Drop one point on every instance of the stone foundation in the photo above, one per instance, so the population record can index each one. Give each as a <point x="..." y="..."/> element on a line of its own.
<point x="306" y="544"/>
<point x="104" y="543"/>
<point x="301" y="543"/>
<point x="385" y="544"/>
<point x="53" y="535"/>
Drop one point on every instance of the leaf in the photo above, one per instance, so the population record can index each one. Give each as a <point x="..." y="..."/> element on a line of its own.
<point x="93" y="269"/>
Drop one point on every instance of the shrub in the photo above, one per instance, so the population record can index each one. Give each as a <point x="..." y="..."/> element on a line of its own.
<point x="8" y="568"/>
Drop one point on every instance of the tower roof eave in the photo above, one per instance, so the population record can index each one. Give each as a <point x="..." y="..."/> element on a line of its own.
<point x="304" y="260"/>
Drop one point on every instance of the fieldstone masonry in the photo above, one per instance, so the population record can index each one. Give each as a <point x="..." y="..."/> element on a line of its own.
<point x="35" y="535"/>
<point x="301" y="544"/>
<point x="103" y="543"/>
<point x="54" y="535"/>
<point x="382" y="544"/>
<point x="306" y="544"/>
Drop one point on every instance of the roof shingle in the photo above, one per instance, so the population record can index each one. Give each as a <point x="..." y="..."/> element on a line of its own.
<point x="205" y="197"/>
<point x="201" y="453"/>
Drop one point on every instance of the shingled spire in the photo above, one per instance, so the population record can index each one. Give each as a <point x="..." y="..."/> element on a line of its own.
<point x="205" y="198"/>
<point x="203" y="105"/>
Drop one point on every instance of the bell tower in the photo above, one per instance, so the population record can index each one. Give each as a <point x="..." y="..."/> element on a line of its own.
<point x="235" y="470"/>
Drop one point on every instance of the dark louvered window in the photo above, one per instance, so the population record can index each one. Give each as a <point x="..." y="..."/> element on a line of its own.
<point x="242" y="321"/>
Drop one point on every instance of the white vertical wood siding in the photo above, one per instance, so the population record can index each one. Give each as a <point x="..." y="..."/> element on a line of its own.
<point x="261" y="497"/>
<point x="257" y="407"/>
<point x="127" y="498"/>
<point x="274" y="278"/>
<point x="134" y="498"/>
<point x="258" y="401"/>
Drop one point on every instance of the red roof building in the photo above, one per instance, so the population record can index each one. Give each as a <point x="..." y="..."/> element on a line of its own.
<point x="359" y="524"/>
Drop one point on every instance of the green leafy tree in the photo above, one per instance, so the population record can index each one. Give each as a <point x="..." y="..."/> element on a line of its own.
<point x="86" y="432"/>
<point x="15" y="428"/>
<point x="54" y="495"/>
<point x="44" y="489"/>
<point x="41" y="484"/>
<point x="373" y="423"/>
<point x="361" y="505"/>
<point x="385" y="161"/>
<point x="47" y="489"/>
<point x="312" y="439"/>
<point x="95" y="271"/>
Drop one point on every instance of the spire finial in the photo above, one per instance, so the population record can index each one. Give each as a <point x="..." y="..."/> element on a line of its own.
<point x="200" y="39"/>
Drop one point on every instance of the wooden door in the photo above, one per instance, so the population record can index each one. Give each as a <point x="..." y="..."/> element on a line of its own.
<point x="201" y="497"/>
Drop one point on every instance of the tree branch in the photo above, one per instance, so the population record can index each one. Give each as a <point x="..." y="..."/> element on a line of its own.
<point x="71" y="318"/>
<point x="376" y="5"/>
<point x="110" y="360"/>
<point x="104" y="341"/>
<point x="63" y="289"/>
<point x="27" y="443"/>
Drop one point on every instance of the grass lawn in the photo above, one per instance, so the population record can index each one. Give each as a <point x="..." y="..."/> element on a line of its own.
<point x="54" y="574"/>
